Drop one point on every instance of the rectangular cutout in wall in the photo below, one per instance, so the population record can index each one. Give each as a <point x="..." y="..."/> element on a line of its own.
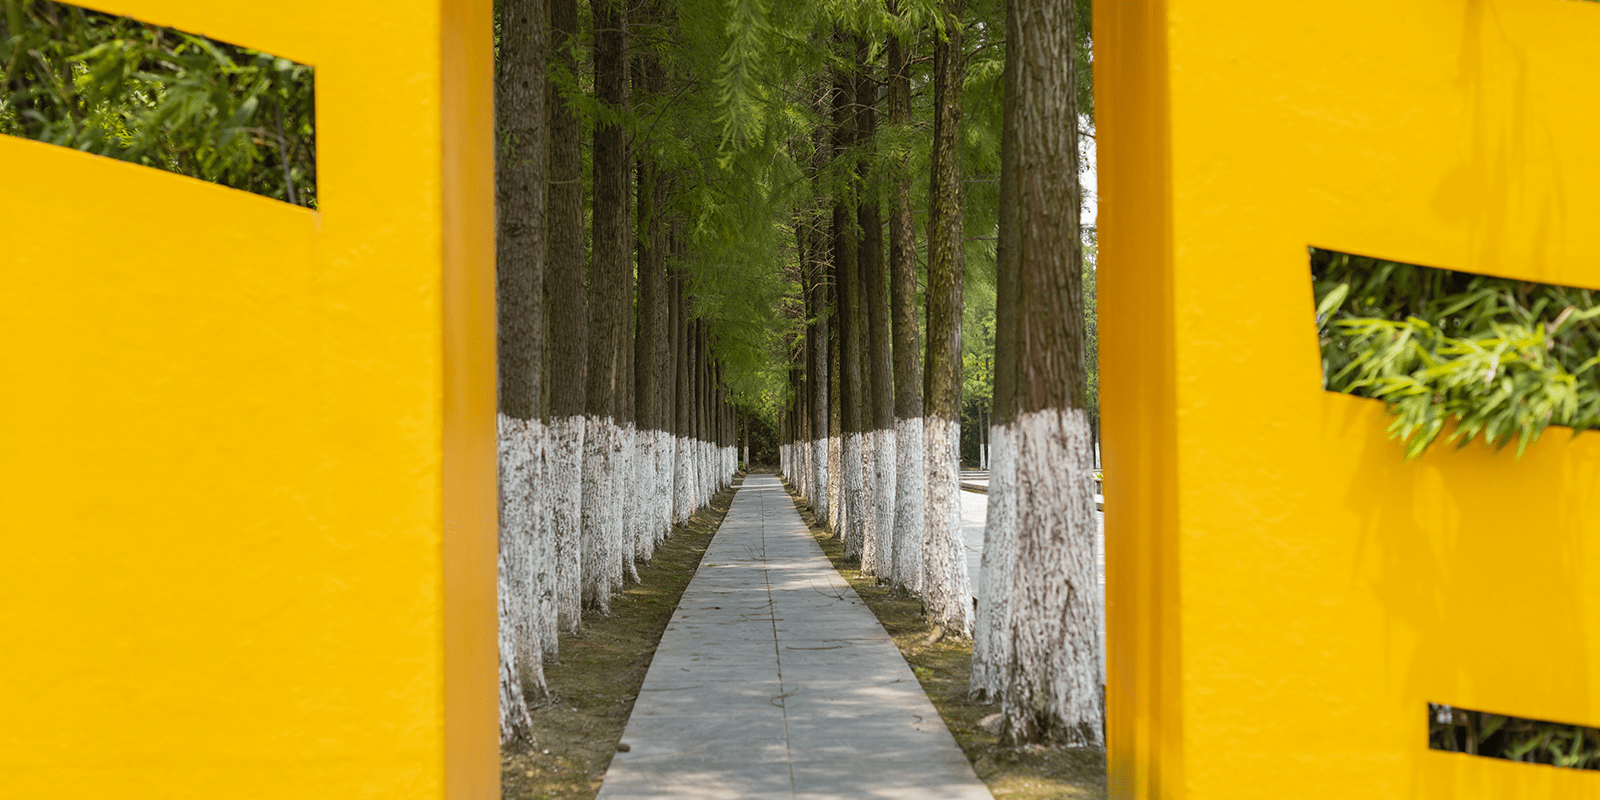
<point x="1532" y="741"/>
<point x="117" y="87"/>
<point x="1491" y="357"/>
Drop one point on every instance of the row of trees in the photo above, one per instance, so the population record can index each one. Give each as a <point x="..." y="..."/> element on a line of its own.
<point x="872" y="433"/>
<point x="753" y="182"/>
<point x="616" y="413"/>
<point x="713" y="209"/>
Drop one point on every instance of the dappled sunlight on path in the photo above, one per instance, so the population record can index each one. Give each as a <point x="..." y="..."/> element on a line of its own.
<point x="774" y="680"/>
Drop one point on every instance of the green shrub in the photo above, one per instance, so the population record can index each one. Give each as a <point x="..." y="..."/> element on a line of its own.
<point x="1498" y="358"/>
<point x="118" y="87"/>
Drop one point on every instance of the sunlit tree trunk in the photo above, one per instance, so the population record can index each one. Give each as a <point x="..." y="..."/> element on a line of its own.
<point x="877" y="553"/>
<point x="1048" y="672"/>
<point x="650" y="343"/>
<point x="946" y="588"/>
<point x="909" y="477"/>
<point x="849" y="307"/>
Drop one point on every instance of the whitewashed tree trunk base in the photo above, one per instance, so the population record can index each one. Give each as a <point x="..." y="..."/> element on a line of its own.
<point x="991" y="642"/>
<point x="878" y="554"/>
<point x="597" y="553"/>
<point x="946" y="587"/>
<point x="683" y="484"/>
<point x="854" y="530"/>
<point x="618" y="546"/>
<point x="661" y="504"/>
<point x="909" y="491"/>
<point x="1052" y="687"/>
<point x="516" y="725"/>
<point x="871" y="558"/>
<point x="835" y="482"/>
<point x="567" y="435"/>
<point x="819" y="479"/>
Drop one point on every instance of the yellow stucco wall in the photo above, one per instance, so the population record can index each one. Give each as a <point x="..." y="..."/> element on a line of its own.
<point x="1286" y="592"/>
<point x="247" y="547"/>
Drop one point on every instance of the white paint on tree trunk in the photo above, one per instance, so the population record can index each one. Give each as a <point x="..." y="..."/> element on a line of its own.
<point x="835" y="483"/>
<point x="909" y="491"/>
<point x="819" y="478"/>
<point x="854" y="532"/>
<point x="637" y="490"/>
<point x="597" y="553"/>
<point x="878" y="554"/>
<point x="567" y="435"/>
<point x="1051" y="688"/>
<point x="661" y="506"/>
<point x="519" y="512"/>
<point x="870" y="556"/>
<point x="516" y="725"/>
<point x="991" y="644"/>
<point x="682" y="483"/>
<point x="618" y="544"/>
<point x="545" y="620"/>
<point x="946" y="587"/>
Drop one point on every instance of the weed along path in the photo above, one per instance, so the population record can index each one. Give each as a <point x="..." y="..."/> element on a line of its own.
<point x="774" y="680"/>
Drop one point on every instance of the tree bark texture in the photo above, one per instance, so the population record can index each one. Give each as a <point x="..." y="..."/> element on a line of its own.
<point x="877" y="553"/>
<point x="526" y="579"/>
<point x="610" y="295"/>
<point x="844" y="261"/>
<point x="909" y="480"/>
<point x="946" y="585"/>
<point x="566" y="304"/>
<point x="1046" y="661"/>
<point x="683" y="501"/>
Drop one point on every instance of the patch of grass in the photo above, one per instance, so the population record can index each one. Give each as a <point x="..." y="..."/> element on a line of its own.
<point x="595" y="681"/>
<point x="943" y="664"/>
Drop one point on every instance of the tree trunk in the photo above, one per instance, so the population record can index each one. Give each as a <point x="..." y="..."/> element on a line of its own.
<point x="877" y="554"/>
<point x="849" y="310"/>
<point x="650" y="345"/>
<point x="909" y="479"/>
<point x="816" y="296"/>
<point x="526" y="552"/>
<point x="1050" y="677"/>
<point x="947" y="589"/>
<point x="611" y="290"/>
<point x="566" y="305"/>
<point x="682" y="502"/>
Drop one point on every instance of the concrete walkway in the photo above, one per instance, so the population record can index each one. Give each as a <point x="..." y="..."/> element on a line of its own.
<point x="774" y="680"/>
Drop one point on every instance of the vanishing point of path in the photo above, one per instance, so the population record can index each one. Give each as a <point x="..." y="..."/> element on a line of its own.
<point x="774" y="680"/>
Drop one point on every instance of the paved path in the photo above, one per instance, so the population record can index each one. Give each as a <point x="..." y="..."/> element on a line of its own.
<point x="774" y="680"/>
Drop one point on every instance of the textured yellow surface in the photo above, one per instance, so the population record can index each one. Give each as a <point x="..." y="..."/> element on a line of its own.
<point x="1286" y="592"/>
<point x="248" y="447"/>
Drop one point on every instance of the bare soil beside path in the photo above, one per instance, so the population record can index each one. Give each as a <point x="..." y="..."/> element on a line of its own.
<point x="594" y="683"/>
<point x="944" y="665"/>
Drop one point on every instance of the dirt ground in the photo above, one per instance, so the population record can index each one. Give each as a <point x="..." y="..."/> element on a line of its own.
<point x="944" y="664"/>
<point x="594" y="683"/>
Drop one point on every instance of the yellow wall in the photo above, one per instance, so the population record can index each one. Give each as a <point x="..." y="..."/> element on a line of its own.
<point x="248" y="470"/>
<point x="1286" y="592"/>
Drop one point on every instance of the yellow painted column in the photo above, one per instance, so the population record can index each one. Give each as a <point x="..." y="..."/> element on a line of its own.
<point x="1286" y="593"/>
<point x="248" y="540"/>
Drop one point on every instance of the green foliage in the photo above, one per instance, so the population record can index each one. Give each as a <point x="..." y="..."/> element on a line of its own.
<point x="1513" y="738"/>
<point x="116" y="87"/>
<point x="1498" y="358"/>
